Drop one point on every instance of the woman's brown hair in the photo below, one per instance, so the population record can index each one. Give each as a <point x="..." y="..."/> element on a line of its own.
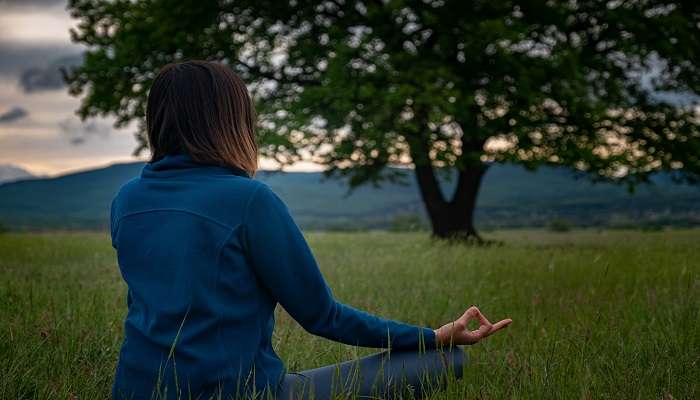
<point x="203" y="109"/>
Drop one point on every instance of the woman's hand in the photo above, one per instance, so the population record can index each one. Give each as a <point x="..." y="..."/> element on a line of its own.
<point x="457" y="332"/>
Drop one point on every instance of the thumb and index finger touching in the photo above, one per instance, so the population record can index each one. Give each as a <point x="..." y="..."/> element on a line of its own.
<point x="485" y="326"/>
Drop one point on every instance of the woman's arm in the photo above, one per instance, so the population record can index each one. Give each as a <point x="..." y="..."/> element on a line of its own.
<point x="285" y="265"/>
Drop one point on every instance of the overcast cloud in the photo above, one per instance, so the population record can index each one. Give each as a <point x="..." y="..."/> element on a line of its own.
<point x="31" y="3"/>
<point x="39" y="130"/>
<point x="48" y="77"/>
<point x="13" y="114"/>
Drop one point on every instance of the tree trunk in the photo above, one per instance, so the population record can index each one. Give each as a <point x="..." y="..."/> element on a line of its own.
<point x="454" y="218"/>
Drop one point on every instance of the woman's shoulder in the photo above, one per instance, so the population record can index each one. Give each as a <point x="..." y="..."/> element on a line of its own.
<point x="262" y="195"/>
<point x="126" y="187"/>
<point x="224" y="198"/>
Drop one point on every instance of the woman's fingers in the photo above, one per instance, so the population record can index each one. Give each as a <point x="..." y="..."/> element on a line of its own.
<point x="501" y="324"/>
<point x="485" y="329"/>
<point x="482" y="317"/>
<point x="483" y="321"/>
<point x="474" y="313"/>
<point x="469" y="337"/>
<point x="471" y="313"/>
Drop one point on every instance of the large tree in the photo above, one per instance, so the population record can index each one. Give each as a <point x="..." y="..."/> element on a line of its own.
<point x="607" y="88"/>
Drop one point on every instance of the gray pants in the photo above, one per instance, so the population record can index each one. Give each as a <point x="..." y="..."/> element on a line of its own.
<point x="385" y="375"/>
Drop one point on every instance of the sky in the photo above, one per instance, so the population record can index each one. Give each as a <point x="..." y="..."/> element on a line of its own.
<point x="39" y="130"/>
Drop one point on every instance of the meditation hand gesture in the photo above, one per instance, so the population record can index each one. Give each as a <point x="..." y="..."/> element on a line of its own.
<point x="457" y="332"/>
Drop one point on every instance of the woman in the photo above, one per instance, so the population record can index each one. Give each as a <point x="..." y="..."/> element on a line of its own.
<point x="207" y="253"/>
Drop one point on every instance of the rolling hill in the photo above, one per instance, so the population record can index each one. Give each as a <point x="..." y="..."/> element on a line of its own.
<point x="11" y="173"/>
<point x="510" y="197"/>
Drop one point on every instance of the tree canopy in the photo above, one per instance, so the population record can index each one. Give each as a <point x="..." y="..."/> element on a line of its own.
<point x="606" y="87"/>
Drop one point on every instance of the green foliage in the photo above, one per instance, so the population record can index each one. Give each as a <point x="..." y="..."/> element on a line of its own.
<point x="438" y="83"/>
<point x="3" y="228"/>
<point x="587" y="308"/>
<point x="560" y="225"/>
<point x="408" y="223"/>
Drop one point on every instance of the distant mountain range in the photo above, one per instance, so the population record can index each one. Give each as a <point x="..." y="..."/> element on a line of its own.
<point x="11" y="173"/>
<point x="510" y="197"/>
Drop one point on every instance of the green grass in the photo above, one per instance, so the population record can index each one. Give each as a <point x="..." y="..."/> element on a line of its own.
<point x="596" y="314"/>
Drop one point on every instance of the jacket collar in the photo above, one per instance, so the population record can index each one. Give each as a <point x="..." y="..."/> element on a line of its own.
<point x="183" y="164"/>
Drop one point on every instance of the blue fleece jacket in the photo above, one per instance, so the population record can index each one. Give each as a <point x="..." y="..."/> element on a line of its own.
<point x="207" y="253"/>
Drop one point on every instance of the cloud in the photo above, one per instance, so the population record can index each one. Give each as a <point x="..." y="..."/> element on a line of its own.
<point x="13" y="114"/>
<point x="79" y="131"/>
<point x="31" y="3"/>
<point x="48" y="77"/>
<point x="17" y="57"/>
<point x="35" y="23"/>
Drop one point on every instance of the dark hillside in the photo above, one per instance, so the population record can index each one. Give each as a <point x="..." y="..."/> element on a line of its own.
<point x="510" y="197"/>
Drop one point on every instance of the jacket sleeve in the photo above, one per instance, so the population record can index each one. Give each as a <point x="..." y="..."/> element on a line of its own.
<point x="283" y="262"/>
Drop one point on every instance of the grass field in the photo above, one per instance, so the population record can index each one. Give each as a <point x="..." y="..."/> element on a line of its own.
<point x="596" y="314"/>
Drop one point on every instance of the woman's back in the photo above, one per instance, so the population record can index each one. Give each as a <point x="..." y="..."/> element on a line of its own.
<point x="207" y="254"/>
<point x="197" y="316"/>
